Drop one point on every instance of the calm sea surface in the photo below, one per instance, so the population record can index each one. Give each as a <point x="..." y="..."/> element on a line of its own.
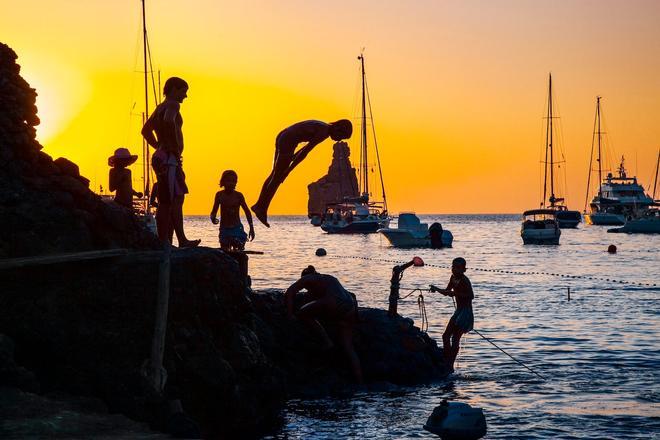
<point x="600" y="351"/>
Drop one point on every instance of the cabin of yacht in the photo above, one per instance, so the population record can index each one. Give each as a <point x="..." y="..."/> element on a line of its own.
<point x="618" y="197"/>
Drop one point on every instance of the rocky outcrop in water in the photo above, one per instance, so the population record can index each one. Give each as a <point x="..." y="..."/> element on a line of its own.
<point x="46" y="205"/>
<point x="334" y="187"/>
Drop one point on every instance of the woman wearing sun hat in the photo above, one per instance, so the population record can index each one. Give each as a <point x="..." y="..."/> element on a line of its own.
<point x="120" y="177"/>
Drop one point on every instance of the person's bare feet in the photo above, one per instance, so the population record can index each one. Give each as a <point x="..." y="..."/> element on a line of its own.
<point x="261" y="215"/>
<point x="190" y="243"/>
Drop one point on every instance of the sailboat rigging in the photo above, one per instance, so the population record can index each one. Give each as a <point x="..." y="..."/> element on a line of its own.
<point x="565" y="217"/>
<point x="362" y="214"/>
<point x="618" y="197"/>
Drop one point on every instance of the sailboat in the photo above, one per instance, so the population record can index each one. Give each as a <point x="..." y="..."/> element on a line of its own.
<point x="565" y="217"/>
<point x="541" y="226"/>
<point x="362" y="214"/>
<point x="618" y="196"/>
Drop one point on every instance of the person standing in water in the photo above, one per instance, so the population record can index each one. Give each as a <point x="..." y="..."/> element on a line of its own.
<point x="462" y="321"/>
<point x="326" y="299"/>
<point x="287" y="158"/>
<point x="232" y="235"/>
<point x="163" y="131"/>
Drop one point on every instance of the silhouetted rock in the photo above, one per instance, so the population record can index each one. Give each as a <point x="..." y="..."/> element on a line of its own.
<point x="334" y="187"/>
<point x="46" y="206"/>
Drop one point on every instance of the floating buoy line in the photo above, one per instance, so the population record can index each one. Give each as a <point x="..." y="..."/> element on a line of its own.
<point x="511" y="272"/>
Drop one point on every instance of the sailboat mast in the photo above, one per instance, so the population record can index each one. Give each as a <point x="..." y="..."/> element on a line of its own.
<point x="655" y="181"/>
<point x="364" y="166"/>
<point x="600" y="171"/>
<point x="145" y="147"/>
<point x="552" y="163"/>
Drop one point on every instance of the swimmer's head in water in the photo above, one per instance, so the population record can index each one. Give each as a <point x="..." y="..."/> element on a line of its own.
<point x="341" y="129"/>
<point x="308" y="270"/>
<point x="229" y="179"/>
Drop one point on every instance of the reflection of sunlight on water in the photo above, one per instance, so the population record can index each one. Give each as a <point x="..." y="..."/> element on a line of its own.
<point x="599" y="351"/>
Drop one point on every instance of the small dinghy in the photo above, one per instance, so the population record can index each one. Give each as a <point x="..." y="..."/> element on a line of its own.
<point x="411" y="233"/>
<point x="456" y="420"/>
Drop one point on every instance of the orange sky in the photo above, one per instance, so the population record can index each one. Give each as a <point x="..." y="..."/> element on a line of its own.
<point x="458" y="88"/>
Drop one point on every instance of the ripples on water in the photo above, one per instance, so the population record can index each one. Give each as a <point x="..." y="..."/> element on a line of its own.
<point x="600" y="351"/>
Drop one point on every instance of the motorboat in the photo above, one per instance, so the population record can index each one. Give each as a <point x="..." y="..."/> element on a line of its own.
<point x="646" y="222"/>
<point x="457" y="420"/>
<point x="618" y="196"/>
<point x="540" y="226"/>
<point x="410" y="232"/>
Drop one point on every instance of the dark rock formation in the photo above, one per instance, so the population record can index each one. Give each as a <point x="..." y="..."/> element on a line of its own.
<point x="231" y="358"/>
<point x="85" y="328"/>
<point x="46" y="205"/>
<point x="334" y="187"/>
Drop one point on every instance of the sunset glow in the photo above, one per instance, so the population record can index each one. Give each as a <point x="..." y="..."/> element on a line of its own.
<point x="458" y="89"/>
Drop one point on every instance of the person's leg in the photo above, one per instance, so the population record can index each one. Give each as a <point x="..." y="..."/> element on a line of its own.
<point x="447" y="343"/>
<point x="163" y="221"/>
<point x="283" y="157"/>
<point x="309" y="314"/>
<point x="455" y="344"/>
<point x="177" y="223"/>
<point x="346" y="335"/>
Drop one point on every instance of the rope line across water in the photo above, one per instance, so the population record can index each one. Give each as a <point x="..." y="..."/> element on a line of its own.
<point x="510" y="272"/>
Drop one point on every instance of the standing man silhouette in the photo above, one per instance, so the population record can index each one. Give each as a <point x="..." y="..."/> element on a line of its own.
<point x="287" y="158"/>
<point x="163" y="131"/>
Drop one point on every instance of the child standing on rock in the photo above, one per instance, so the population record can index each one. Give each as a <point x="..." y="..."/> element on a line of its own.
<point x="120" y="177"/>
<point x="232" y="235"/>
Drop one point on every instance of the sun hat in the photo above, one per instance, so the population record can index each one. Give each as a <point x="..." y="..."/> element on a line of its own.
<point x="122" y="156"/>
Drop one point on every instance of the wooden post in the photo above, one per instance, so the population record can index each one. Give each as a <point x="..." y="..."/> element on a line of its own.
<point x="155" y="372"/>
<point x="569" y="293"/>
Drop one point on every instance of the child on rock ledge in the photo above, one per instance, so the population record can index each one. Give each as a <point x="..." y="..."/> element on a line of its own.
<point x="120" y="177"/>
<point x="232" y="235"/>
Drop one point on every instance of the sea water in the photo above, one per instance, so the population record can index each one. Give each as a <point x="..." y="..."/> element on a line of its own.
<point x="600" y="351"/>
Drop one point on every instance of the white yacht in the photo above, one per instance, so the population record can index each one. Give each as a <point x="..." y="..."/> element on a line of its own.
<point x="618" y="197"/>
<point x="410" y="232"/>
<point x="646" y="222"/>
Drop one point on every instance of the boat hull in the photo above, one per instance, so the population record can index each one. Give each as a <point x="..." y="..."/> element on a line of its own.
<point x="568" y="219"/>
<point x="540" y="236"/>
<point x="355" y="227"/>
<point x="405" y="239"/>
<point x="605" y="219"/>
<point x="639" y="227"/>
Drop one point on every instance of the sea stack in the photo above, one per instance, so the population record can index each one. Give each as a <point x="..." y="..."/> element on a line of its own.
<point x="334" y="187"/>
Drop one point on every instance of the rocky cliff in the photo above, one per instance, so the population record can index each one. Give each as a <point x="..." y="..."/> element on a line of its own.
<point x="85" y="328"/>
<point x="46" y="205"/>
<point x="339" y="183"/>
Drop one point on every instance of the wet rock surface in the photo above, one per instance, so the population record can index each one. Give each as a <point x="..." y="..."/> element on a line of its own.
<point x="334" y="187"/>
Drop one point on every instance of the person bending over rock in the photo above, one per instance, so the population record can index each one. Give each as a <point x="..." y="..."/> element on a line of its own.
<point x="462" y="320"/>
<point x="232" y="235"/>
<point x="287" y="158"/>
<point x="120" y="177"/>
<point x="163" y="131"/>
<point x="327" y="300"/>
